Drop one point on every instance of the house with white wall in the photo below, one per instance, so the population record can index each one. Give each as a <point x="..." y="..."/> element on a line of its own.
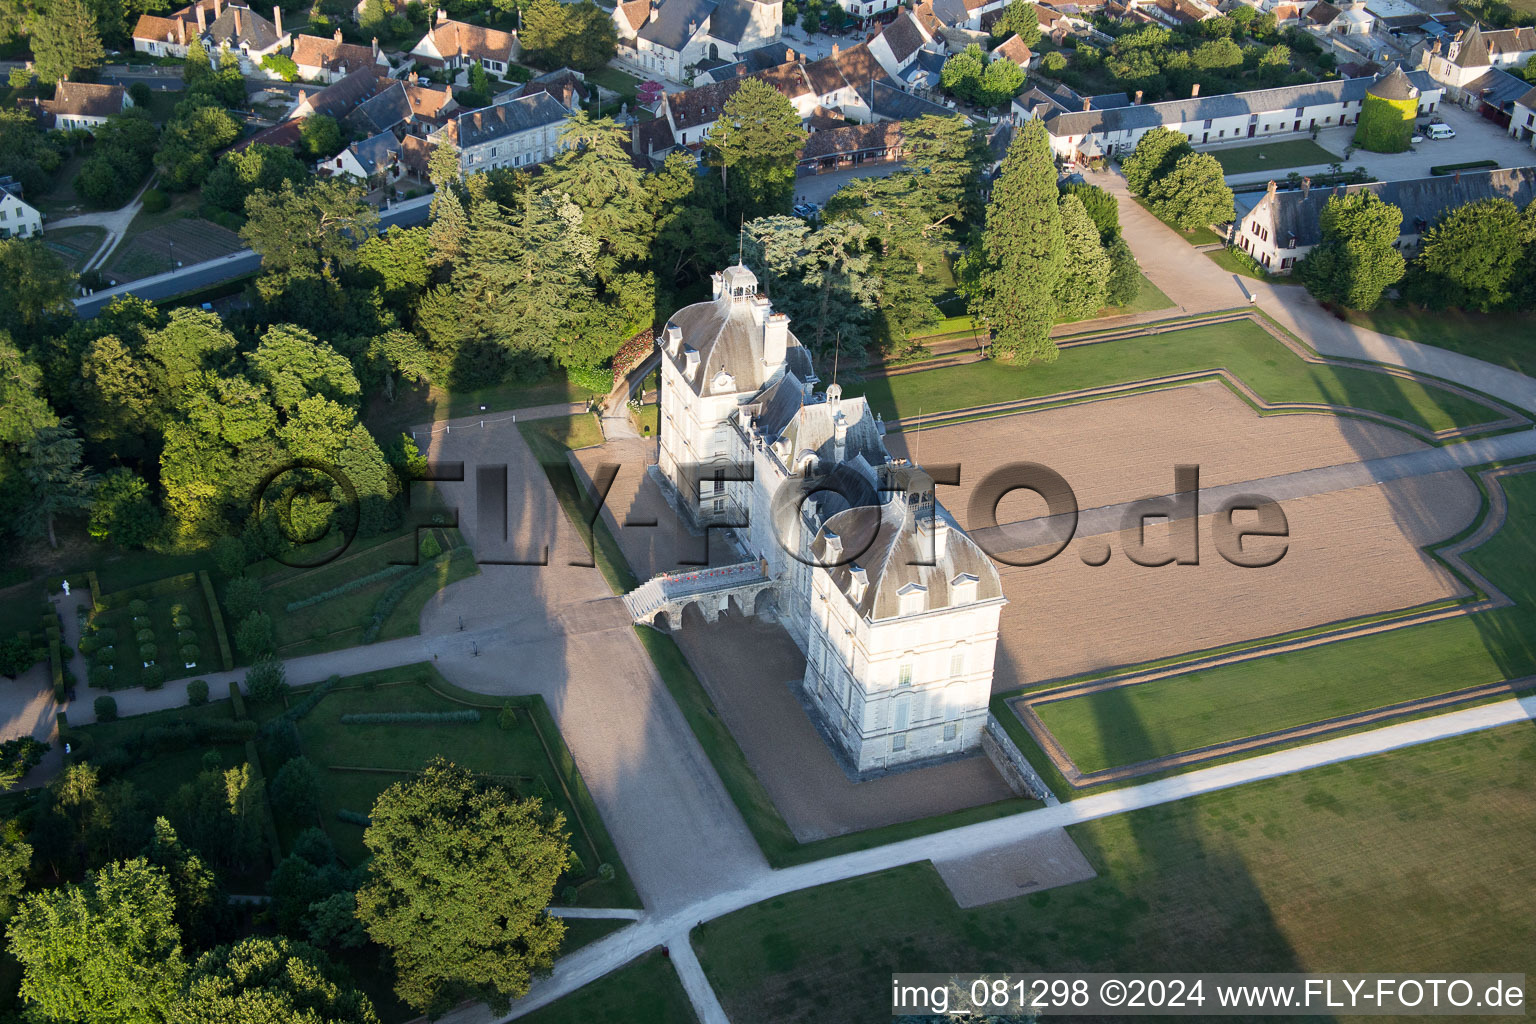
<point x="517" y="132"/>
<point x="670" y="37"/>
<point x="83" y="105"/>
<point x="18" y="218"/>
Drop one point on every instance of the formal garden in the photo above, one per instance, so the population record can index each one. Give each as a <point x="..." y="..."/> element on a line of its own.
<point x="145" y="635"/>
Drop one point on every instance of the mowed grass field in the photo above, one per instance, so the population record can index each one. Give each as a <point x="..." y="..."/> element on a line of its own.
<point x="1242" y="347"/>
<point x="1503" y="339"/>
<point x="1135" y="723"/>
<point x="646" y="991"/>
<point x="1416" y="860"/>
<point x="1272" y="156"/>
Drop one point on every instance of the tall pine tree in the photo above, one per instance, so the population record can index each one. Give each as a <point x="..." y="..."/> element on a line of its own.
<point x="1010" y="275"/>
<point x="1080" y="291"/>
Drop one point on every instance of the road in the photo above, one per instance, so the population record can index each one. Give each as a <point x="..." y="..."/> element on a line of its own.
<point x="226" y="268"/>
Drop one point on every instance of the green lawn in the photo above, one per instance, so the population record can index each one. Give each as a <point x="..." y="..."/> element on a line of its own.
<point x="646" y="991"/>
<point x="616" y="81"/>
<point x="530" y="758"/>
<point x="1236" y="262"/>
<point x="1408" y="861"/>
<point x="1284" y="690"/>
<point x="124" y="654"/>
<point x="1272" y="156"/>
<point x="647" y="419"/>
<point x="1241" y="347"/>
<point x="426" y="404"/>
<point x="340" y="621"/>
<point x="1149" y="297"/>
<point x="1505" y="339"/>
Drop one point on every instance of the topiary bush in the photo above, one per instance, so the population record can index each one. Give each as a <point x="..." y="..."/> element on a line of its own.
<point x="106" y="656"/>
<point x="89" y="645"/>
<point x="147" y="652"/>
<point x="190" y="652"/>
<point x="197" y="692"/>
<point x="353" y="817"/>
<point x="107" y="636"/>
<point x="1385" y="126"/>
<point x="106" y="709"/>
<point x="101" y="676"/>
<point x="605" y="871"/>
<point x="143" y="622"/>
<point x="138" y="606"/>
<point x="152" y="677"/>
<point x="186" y="636"/>
<point x="182" y="622"/>
<point x="145" y="636"/>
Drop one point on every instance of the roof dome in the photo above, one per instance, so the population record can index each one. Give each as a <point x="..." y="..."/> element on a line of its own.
<point x="1394" y="85"/>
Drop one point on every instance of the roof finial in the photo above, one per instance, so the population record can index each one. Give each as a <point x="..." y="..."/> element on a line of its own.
<point x="741" y="241"/>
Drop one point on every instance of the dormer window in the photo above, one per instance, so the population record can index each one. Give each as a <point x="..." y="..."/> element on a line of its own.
<point x="723" y="382"/>
<point x="913" y="598"/>
<point x="833" y="545"/>
<point x="963" y="588"/>
<point x="858" y="583"/>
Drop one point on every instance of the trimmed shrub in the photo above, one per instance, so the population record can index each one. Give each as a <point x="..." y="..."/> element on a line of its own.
<point x="186" y="636"/>
<point x="153" y="677"/>
<point x="154" y="200"/>
<point x="197" y="692"/>
<point x="190" y="652"/>
<point x="143" y="622"/>
<point x="178" y="610"/>
<point x="106" y="656"/>
<point x="148" y="652"/>
<point x="89" y="645"/>
<point x="145" y="636"/>
<point x="506" y="718"/>
<point x="1385" y="126"/>
<point x="225" y="655"/>
<point x="242" y="595"/>
<point x="107" y="636"/>
<point x="182" y="622"/>
<point x="101" y="676"/>
<point x="570" y="894"/>
<point x="229" y="555"/>
<point x="304" y="706"/>
<point x="346" y="588"/>
<point x="236" y="700"/>
<point x="138" y="606"/>
<point x="353" y="817"/>
<point x="605" y="871"/>
<point x="1440" y="170"/>
<point x="106" y="709"/>
<point x="430" y="548"/>
<point x="392" y="597"/>
<point x="410" y="717"/>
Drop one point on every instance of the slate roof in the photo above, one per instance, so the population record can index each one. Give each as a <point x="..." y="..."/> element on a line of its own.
<point x="813" y="429"/>
<point x="414" y="151"/>
<point x="1529" y="99"/>
<point x="561" y="83"/>
<point x="1199" y="108"/>
<point x="374" y="153"/>
<point x="892" y="553"/>
<point x="382" y="111"/>
<point x="85" y="99"/>
<point x="731" y="20"/>
<point x="428" y="102"/>
<point x="1499" y="88"/>
<point x="1422" y="200"/>
<point x="255" y="31"/>
<point x="330" y="54"/>
<point x="343" y="95"/>
<point x="726" y="337"/>
<point x="670" y="29"/>
<point x="1394" y="85"/>
<point x="1322" y="13"/>
<point x="476" y="127"/>
<point x="891" y="103"/>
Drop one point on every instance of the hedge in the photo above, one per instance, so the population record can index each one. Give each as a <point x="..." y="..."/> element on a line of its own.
<point x="154" y="588"/>
<point x="1385" y="126"/>
<point x="347" y="587"/>
<point x="236" y="699"/>
<point x="56" y="665"/>
<point x="218" y="620"/>
<point x="353" y="817"/>
<point x="95" y="589"/>
<point x="409" y="717"/>
<point x="301" y="708"/>
<point x="392" y="597"/>
<point x="1441" y="170"/>
<point x="269" y="823"/>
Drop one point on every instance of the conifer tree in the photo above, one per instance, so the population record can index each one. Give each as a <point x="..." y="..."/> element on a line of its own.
<point x="1080" y="291"/>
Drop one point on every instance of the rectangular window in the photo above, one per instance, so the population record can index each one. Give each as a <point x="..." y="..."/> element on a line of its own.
<point x="951" y="731"/>
<point x="1207" y="122"/>
<point x="904" y="675"/>
<point x="901" y="714"/>
<point x="1285" y="264"/>
<point x="719" y="481"/>
<point x="898" y="742"/>
<point x="957" y="664"/>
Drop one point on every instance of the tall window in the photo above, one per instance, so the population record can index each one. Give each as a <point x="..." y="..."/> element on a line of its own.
<point x="901" y="713"/>
<point x="957" y="664"/>
<point x="904" y="674"/>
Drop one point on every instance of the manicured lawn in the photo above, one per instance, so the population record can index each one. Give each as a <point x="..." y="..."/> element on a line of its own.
<point x="1505" y="339"/>
<point x="1148" y="298"/>
<point x="616" y="81"/>
<point x="1236" y="263"/>
<point x="1272" y="156"/>
<point x="361" y="761"/>
<point x="1243" y="699"/>
<point x="646" y="991"/>
<point x="646" y="419"/>
<point x="1199" y="236"/>
<point x="125" y="652"/>
<point x="424" y="405"/>
<point x="1408" y="861"/>
<point x="375" y="563"/>
<point x="1242" y="347"/>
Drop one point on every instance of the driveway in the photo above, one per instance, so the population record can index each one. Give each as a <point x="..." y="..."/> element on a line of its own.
<point x="1476" y="139"/>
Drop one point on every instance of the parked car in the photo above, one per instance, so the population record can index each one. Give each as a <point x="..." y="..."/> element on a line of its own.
<point x="806" y="210"/>
<point x="1440" y="131"/>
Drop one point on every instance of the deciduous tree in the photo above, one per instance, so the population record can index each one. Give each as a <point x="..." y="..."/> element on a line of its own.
<point x="1356" y="258"/>
<point x="1193" y="194"/>
<point x="1154" y="156"/>
<point x="269" y="981"/>
<point x="1474" y="251"/>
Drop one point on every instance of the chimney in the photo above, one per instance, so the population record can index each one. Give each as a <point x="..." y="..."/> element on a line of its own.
<point x="693" y="27"/>
<point x="1306" y="186"/>
<point x="202" y="19"/>
<point x="236" y="12"/>
<point x="1457" y="179"/>
<point x="218" y="9"/>
<point x="1194" y="90"/>
<point x="375" y="49"/>
<point x="181" y="32"/>
<point x="1087" y="103"/>
<point x="412" y="77"/>
<point x="277" y="19"/>
<point x="302" y="99"/>
<point x="655" y="13"/>
<point x="839" y="433"/>
<point x="1137" y="99"/>
<point x="634" y="138"/>
<point x="775" y="340"/>
<point x="789" y="56"/>
<point x="1270" y="188"/>
<point x="336" y="36"/>
<point x="442" y="15"/>
<point x="834" y="49"/>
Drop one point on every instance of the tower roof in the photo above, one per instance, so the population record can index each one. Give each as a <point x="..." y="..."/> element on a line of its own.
<point x="1394" y="85"/>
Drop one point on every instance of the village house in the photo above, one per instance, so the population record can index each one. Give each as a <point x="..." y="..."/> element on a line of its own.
<point x="1522" y="122"/>
<point x="568" y="87"/>
<point x="832" y="149"/>
<point x="1262" y="113"/>
<point x="518" y="132"/>
<point x="325" y="60"/>
<point x="456" y="45"/>
<point x="1278" y="227"/>
<point x="671" y="37"/>
<point x="219" y="26"/>
<point x="1476" y="51"/>
<point x="894" y="606"/>
<point x="18" y="218"/>
<point x="83" y="105"/>
<point x="898" y="46"/>
<point x="374" y="161"/>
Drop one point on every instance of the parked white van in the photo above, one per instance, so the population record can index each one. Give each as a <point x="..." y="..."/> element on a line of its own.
<point x="1440" y="131"/>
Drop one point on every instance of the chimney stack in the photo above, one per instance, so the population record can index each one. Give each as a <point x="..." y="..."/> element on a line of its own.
<point x="1270" y="188"/>
<point x="218" y="9"/>
<point x="277" y="19"/>
<point x="1137" y="99"/>
<point x="1087" y="103"/>
<point x="336" y="37"/>
<point x="181" y="31"/>
<point x="375" y="49"/>
<point x="1306" y="186"/>
<point x="1457" y="179"/>
<point x="236" y="12"/>
<point x="834" y="49"/>
<point x="442" y="15"/>
<point x="789" y="56"/>
<point x="1194" y="90"/>
<point x="202" y="19"/>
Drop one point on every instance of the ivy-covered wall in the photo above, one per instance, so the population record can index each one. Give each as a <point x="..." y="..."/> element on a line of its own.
<point x="1385" y="125"/>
